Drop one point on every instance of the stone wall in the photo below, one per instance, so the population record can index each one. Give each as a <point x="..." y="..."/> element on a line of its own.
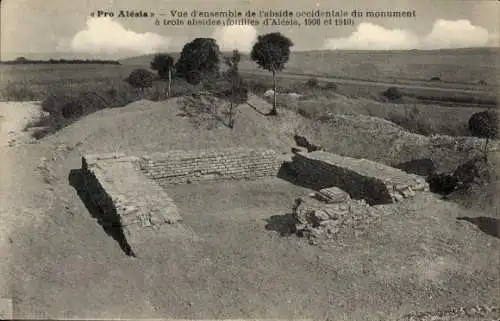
<point x="180" y="167"/>
<point x="362" y="179"/>
<point x="126" y="199"/>
<point x="127" y="190"/>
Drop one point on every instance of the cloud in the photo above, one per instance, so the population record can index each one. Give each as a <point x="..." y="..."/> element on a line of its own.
<point x="455" y="34"/>
<point x="371" y="36"/>
<point x="239" y="37"/>
<point x="107" y="37"/>
<point x="444" y="34"/>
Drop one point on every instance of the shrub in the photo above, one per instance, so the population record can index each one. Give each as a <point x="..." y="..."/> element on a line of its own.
<point x="442" y="183"/>
<point x="435" y="78"/>
<point x="140" y="78"/>
<point x="331" y="86"/>
<point x="393" y="93"/>
<point x="312" y="83"/>
<point x="484" y="124"/>
<point x="84" y="104"/>
<point x="56" y="99"/>
<point x="19" y="92"/>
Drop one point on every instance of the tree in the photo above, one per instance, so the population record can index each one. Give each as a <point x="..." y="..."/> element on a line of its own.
<point x="238" y="92"/>
<point x="271" y="52"/>
<point x="163" y="64"/>
<point x="140" y="78"/>
<point x="199" y="59"/>
<point x="484" y="124"/>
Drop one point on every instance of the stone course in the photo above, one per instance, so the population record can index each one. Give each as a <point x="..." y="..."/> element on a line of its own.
<point x="362" y="179"/>
<point x="180" y="167"/>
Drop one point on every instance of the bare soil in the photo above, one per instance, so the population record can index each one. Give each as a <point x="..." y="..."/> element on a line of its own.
<point x="57" y="262"/>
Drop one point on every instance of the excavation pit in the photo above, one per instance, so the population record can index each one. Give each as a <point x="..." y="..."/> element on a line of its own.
<point x="132" y="192"/>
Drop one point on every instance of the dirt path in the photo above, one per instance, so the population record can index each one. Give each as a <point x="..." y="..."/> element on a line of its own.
<point x="18" y="186"/>
<point x="13" y="118"/>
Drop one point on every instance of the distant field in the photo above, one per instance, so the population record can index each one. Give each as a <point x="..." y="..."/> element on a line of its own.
<point x="45" y="73"/>
<point x="452" y="66"/>
<point x="466" y="66"/>
<point x="460" y="69"/>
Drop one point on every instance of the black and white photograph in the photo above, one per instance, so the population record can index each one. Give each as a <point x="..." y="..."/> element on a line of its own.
<point x="257" y="160"/>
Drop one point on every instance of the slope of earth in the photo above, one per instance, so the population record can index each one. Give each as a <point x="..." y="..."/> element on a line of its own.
<point x="63" y="264"/>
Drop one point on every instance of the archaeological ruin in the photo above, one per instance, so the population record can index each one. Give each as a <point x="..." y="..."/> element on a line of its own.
<point x="129" y="191"/>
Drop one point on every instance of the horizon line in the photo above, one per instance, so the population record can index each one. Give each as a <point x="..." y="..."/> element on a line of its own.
<point x="88" y="56"/>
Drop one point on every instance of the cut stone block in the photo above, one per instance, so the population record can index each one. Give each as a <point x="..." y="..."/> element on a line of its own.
<point x="333" y="195"/>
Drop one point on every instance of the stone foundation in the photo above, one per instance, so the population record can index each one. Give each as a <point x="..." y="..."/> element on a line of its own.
<point x="128" y="193"/>
<point x="362" y="179"/>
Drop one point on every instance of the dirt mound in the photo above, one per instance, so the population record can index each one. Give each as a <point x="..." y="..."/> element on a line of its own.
<point x="382" y="141"/>
<point x="146" y="126"/>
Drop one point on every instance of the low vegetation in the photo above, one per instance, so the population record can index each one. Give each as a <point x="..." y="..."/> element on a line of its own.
<point x="392" y="94"/>
<point x="141" y="79"/>
<point x="25" y="61"/>
<point x="485" y="125"/>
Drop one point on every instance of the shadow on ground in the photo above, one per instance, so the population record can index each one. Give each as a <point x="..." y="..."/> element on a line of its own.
<point x="487" y="225"/>
<point x="283" y="224"/>
<point x="76" y="180"/>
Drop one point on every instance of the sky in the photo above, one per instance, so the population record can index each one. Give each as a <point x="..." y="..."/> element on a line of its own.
<point x="60" y="28"/>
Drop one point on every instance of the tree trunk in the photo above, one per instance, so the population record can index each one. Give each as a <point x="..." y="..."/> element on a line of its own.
<point x="486" y="149"/>
<point x="231" y="115"/>
<point x="169" y="82"/>
<point x="274" y="110"/>
<point x="231" y="107"/>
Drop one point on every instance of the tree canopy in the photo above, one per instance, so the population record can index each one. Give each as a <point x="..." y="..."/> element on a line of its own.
<point x="163" y="64"/>
<point x="140" y="78"/>
<point x="272" y="51"/>
<point x="199" y="57"/>
<point x="484" y="124"/>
